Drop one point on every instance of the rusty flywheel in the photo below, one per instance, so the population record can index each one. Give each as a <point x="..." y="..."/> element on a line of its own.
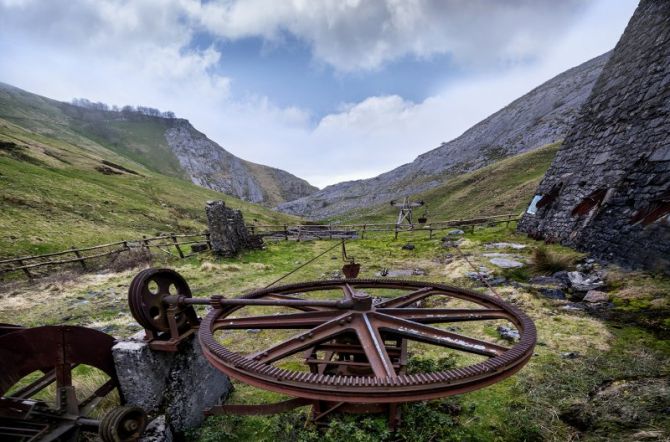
<point x="38" y="394"/>
<point x="361" y="327"/>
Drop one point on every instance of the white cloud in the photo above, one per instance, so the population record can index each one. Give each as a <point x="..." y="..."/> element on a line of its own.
<point x="379" y="133"/>
<point x="137" y="52"/>
<point x="355" y="34"/>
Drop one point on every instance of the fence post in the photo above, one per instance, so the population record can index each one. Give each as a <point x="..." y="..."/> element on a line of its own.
<point x="81" y="260"/>
<point x="209" y="242"/>
<point x="430" y="230"/>
<point x="145" y="243"/>
<point x="286" y="232"/>
<point x="330" y="231"/>
<point x="363" y="232"/>
<point x="396" y="232"/>
<point x="176" y="244"/>
<point x="26" y="271"/>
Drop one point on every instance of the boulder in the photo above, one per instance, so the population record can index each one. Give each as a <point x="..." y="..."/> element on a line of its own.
<point x="582" y="283"/>
<point x="505" y="245"/>
<point x="570" y="355"/>
<point x="506" y="263"/>
<point x="408" y="247"/>
<point x="596" y="296"/>
<point x="200" y="247"/>
<point x="545" y="280"/>
<point x="455" y="232"/>
<point x="551" y="293"/>
<point x="508" y="333"/>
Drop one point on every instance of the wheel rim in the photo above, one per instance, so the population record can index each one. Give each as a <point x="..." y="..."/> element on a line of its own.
<point x="368" y="322"/>
<point x="147" y="305"/>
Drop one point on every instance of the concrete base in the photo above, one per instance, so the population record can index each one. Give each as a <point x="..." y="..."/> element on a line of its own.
<point x="178" y="385"/>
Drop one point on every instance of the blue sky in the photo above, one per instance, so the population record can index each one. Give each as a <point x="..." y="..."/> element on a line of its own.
<point x="329" y="90"/>
<point x="287" y="74"/>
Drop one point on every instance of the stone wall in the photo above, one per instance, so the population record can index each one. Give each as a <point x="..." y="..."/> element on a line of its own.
<point x="228" y="233"/>
<point x="608" y="189"/>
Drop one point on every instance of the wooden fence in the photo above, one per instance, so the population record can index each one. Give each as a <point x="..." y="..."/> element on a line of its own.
<point x="177" y="242"/>
<point x="337" y="231"/>
<point x="81" y="255"/>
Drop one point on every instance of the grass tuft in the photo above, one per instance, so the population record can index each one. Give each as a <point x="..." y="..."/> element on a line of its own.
<point x="548" y="262"/>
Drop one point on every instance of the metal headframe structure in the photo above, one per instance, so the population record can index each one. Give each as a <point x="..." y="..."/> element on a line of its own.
<point x="406" y="206"/>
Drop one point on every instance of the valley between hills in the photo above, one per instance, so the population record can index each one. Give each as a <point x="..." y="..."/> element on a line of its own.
<point x="77" y="176"/>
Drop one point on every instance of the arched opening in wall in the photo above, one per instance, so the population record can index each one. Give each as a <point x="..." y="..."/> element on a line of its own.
<point x="589" y="203"/>
<point x="656" y="210"/>
<point x="544" y="200"/>
<point x="551" y="196"/>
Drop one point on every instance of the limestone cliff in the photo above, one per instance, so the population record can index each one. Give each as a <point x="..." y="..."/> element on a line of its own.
<point x="208" y="165"/>
<point x="540" y="117"/>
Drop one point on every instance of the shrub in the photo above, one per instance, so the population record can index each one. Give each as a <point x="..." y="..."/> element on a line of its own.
<point x="546" y="261"/>
<point x="131" y="259"/>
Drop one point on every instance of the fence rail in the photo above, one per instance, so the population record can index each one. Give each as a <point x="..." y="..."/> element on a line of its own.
<point x="162" y="242"/>
<point x="333" y="231"/>
<point x="298" y="232"/>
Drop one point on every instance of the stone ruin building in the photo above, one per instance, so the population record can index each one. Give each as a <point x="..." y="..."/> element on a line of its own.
<point x="228" y="233"/>
<point x="608" y="190"/>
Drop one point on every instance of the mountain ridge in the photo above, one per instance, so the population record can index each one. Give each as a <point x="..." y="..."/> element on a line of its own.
<point x="171" y="146"/>
<point x="538" y="118"/>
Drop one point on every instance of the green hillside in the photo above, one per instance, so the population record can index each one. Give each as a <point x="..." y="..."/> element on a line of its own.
<point x="132" y="135"/>
<point x="60" y="188"/>
<point x="506" y="186"/>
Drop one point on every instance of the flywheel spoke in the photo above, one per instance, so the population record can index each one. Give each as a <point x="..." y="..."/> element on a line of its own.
<point x="437" y="336"/>
<point x="348" y="291"/>
<point x="373" y="346"/>
<point x="408" y="299"/>
<point x="438" y="315"/>
<point x="292" y="320"/>
<point x="304" y="340"/>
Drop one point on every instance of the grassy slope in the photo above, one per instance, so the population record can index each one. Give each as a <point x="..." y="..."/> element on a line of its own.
<point x="523" y="407"/>
<point x="52" y="197"/>
<point x="133" y="136"/>
<point x="504" y="187"/>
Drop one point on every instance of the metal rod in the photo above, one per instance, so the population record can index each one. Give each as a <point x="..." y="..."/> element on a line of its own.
<point x="180" y="300"/>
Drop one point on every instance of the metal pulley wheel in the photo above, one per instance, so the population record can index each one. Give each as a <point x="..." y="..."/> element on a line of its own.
<point x="123" y="424"/>
<point x="403" y="313"/>
<point x="146" y="296"/>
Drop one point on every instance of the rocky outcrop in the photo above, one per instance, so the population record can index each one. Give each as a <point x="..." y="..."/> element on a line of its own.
<point x="169" y="146"/>
<point x="540" y="117"/>
<point x="608" y="189"/>
<point x="228" y="233"/>
<point x="208" y="165"/>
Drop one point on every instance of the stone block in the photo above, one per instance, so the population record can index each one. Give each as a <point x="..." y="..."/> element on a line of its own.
<point x="193" y="386"/>
<point x="142" y="373"/>
<point x="178" y="385"/>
